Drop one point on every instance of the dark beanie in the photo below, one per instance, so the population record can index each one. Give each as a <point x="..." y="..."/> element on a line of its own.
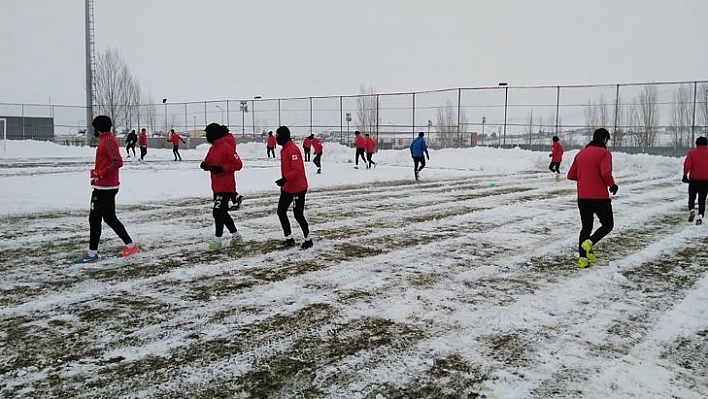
<point x="215" y="131"/>
<point x="600" y="135"/>
<point x="702" y="141"/>
<point x="555" y="138"/>
<point x="102" y="123"/>
<point x="282" y="135"/>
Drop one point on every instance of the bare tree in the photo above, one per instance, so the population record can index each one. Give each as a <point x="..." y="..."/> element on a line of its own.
<point x="702" y="105"/>
<point x="117" y="91"/>
<point x="530" y="128"/>
<point x="446" y="124"/>
<point x="597" y="114"/>
<point x="648" y="115"/>
<point x="681" y="116"/>
<point x="367" y="111"/>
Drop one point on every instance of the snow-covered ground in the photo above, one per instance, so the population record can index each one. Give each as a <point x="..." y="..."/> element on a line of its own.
<point x="460" y="285"/>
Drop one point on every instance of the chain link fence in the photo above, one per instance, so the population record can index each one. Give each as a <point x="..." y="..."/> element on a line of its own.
<point x="641" y="116"/>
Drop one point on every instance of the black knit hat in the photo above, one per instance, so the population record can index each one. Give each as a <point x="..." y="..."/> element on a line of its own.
<point x="702" y="141"/>
<point x="102" y="123"/>
<point x="555" y="138"/>
<point x="600" y="134"/>
<point x="282" y="135"/>
<point x="215" y="131"/>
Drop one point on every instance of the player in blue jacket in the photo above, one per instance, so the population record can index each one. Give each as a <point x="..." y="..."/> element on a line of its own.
<point x="418" y="149"/>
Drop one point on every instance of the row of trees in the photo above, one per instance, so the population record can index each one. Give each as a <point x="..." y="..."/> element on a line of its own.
<point x="638" y="121"/>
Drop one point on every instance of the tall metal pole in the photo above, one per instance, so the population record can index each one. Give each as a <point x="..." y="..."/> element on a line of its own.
<point x="341" y="117"/>
<point x="279" y="123"/>
<point x="227" y="113"/>
<point x="89" y="69"/>
<point x="253" y="116"/>
<point x="693" y="122"/>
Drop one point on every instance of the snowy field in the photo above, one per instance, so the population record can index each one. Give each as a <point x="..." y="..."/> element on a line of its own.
<point x="462" y="285"/>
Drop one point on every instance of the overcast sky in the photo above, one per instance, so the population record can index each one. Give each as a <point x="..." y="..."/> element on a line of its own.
<point x="191" y="50"/>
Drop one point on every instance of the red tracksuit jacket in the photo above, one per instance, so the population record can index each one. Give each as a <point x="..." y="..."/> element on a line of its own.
<point x="556" y="152"/>
<point x="175" y="139"/>
<point x="108" y="160"/>
<point x="143" y="140"/>
<point x="316" y="146"/>
<point x="292" y="168"/>
<point x="360" y="141"/>
<point x="306" y="142"/>
<point x="222" y="153"/>
<point x="271" y="142"/>
<point x="696" y="164"/>
<point x="370" y="144"/>
<point x="592" y="169"/>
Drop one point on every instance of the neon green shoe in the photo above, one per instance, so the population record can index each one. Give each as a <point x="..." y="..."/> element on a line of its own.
<point x="583" y="263"/>
<point x="587" y="246"/>
<point x="236" y="239"/>
<point x="214" y="246"/>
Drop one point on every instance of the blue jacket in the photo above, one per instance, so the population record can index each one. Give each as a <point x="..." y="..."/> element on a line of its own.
<point x="418" y="147"/>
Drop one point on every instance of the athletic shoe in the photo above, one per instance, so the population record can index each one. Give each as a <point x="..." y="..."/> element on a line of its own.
<point x="699" y="220"/>
<point x="557" y="177"/>
<point x="86" y="258"/>
<point x="583" y="263"/>
<point x="288" y="243"/>
<point x="417" y="177"/>
<point x="214" y="246"/>
<point x="691" y="215"/>
<point x="587" y="246"/>
<point x="237" y="203"/>
<point x="319" y="171"/>
<point x="306" y="244"/>
<point x="129" y="251"/>
<point x="235" y="240"/>
<point x="356" y="167"/>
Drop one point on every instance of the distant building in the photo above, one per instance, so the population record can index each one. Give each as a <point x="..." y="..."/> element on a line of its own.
<point x="29" y="128"/>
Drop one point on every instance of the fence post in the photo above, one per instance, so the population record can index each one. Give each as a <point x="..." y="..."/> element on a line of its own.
<point x="279" y="123"/>
<point x="377" y="118"/>
<point x="413" y="125"/>
<point x="617" y="97"/>
<point x="227" y="113"/>
<point x="558" y="96"/>
<point x="206" y="120"/>
<point x="459" y="99"/>
<point x="310" y="115"/>
<point x="341" y="116"/>
<point x="693" y="122"/>
<point x="186" y="125"/>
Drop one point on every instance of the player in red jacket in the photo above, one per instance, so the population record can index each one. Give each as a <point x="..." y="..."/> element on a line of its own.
<point x="293" y="187"/>
<point x="270" y="144"/>
<point x="175" y="139"/>
<point x="317" y="149"/>
<point x="222" y="162"/>
<point x="306" y="146"/>
<point x="695" y="173"/>
<point x="556" y="157"/>
<point x="143" y="143"/>
<point x="592" y="170"/>
<point x="360" y="144"/>
<point x="370" y="145"/>
<point x="105" y="182"/>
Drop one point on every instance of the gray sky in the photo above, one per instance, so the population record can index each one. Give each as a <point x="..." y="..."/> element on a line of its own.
<point x="191" y="50"/>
